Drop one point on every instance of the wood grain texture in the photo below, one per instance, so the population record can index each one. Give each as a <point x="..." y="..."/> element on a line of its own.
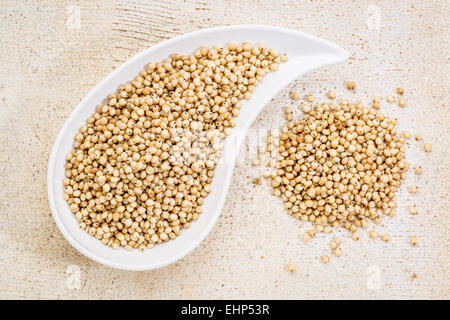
<point x="47" y="67"/>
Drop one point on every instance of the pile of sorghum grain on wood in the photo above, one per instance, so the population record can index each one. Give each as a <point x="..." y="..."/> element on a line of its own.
<point x="339" y="166"/>
<point x="142" y="165"/>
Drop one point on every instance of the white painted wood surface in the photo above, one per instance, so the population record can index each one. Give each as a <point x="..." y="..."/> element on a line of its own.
<point x="49" y="61"/>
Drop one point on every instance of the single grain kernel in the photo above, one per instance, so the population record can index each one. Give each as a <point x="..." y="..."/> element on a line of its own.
<point x="418" y="169"/>
<point x="266" y="173"/>
<point x="331" y="95"/>
<point x="413" y="210"/>
<point x="325" y="259"/>
<point x="337" y="241"/>
<point x="355" y="236"/>
<point x="256" y="181"/>
<point x="427" y="147"/>
<point x="337" y="252"/>
<point x="306" y="237"/>
<point x="333" y="245"/>
<point x="295" y="96"/>
<point x="413" y="189"/>
<point x="413" y="241"/>
<point x="350" y="85"/>
<point x="291" y="267"/>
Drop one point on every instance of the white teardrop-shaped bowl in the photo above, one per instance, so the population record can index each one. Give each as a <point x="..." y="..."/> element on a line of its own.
<point x="305" y="53"/>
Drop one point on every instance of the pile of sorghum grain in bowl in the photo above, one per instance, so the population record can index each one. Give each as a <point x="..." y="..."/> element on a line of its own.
<point x="142" y="165"/>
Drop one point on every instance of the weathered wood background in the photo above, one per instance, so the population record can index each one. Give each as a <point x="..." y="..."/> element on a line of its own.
<point x="50" y="60"/>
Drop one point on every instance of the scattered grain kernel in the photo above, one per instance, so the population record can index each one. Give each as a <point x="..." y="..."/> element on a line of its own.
<point x="266" y="173"/>
<point x="333" y="245"/>
<point x="337" y="241"/>
<point x="256" y="181"/>
<point x="355" y="236"/>
<point x="291" y="267"/>
<point x="400" y="91"/>
<point x="311" y="233"/>
<point x="271" y="163"/>
<point x="390" y="99"/>
<point x="401" y="102"/>
<point x="373" y="234"/>
<point x="256" y="162"/>
<point x="325" y="259"/>
<point x="413" y="210"/>
<point x="427" y="147"/>
<point x="337" y="252"/>
<point x="310" y="98"/>
<point x="413" y="189"/>
<point x="350" y="85"/>
<point x="418" y="137"/>
<point x="385" y="237"/>
<point x="295" y="96"/>
<point x="406" y="134"/>
<point x="331" y="95"/>
<point x="413" y="241"/>
<point x="418" y="169"/>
